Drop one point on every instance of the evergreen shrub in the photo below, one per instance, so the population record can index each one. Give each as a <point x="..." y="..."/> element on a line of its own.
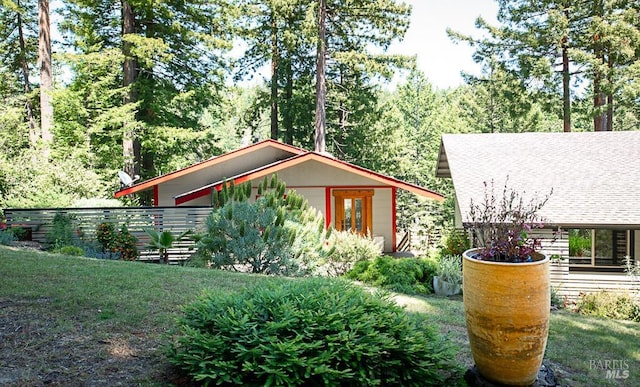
<point x="313" y="332"/>
<point x="62" y="232"/>
<point x="278" y="233"/>
<point x="6" y="237"/>
<point x="412" y="275"/>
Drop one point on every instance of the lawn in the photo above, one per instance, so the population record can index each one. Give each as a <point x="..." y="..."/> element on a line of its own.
<point x="78" y="321"/>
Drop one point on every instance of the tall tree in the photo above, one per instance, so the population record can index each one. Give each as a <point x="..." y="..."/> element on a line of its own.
<point x="173" y="56"/>
<point x="18" y="56"/>
<point x="44" y="54"/>
<point x="321" y="86"/>
<point x="589" y="42"/>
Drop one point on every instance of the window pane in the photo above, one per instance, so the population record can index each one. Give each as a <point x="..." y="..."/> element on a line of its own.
<point x="604" y="244"/>
<point x="347" y="214"/>
<point x="358" y="214"/>
<point x="580" y="246"/>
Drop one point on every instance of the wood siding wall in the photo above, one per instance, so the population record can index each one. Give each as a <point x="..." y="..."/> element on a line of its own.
<point x="86" y="220"/>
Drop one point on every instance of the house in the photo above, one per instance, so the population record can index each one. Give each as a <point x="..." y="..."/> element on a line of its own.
<point x="594" y="209"/>
<point x="348" y="196"/>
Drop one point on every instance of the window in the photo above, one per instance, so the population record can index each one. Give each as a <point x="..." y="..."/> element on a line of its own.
<point x="354" y="210"/>
<point x="599" y="247"/>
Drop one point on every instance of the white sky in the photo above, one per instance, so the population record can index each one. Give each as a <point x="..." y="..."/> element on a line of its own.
<point x="439" y="58"/>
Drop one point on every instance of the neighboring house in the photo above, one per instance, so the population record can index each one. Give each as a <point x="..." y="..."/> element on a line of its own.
<point x="348" y="196"/>
<point x="594" y="209"/>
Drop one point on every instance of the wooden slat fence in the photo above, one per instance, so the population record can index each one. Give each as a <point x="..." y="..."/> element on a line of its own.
<point x="85" y="221"/>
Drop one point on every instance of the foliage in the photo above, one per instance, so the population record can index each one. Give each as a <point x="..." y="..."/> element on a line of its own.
<point x="501" y="226"/>
<point x="62" y="231"/>
<point x="121" y="243"/>
<point x="106" y="236"/>
<point x="609" y="305"/>
<point x="311" y="332"/>
<point x="6" y="237"/>
<point x="456" y="242"/>
<point x="349" y="248"/>
<point x="276" y="234"/>
<point x="579" y="243"/>
<point x="30" y="181"/>
<point x="406" y="275"/>
<point x="449" y="269"/>
<point x="126" y="244"/>
<point x="70" y="250"/>
<point x="163" y="241"/>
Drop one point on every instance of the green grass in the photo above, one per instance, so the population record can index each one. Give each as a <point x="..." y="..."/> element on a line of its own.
<point x="115" y="315"/>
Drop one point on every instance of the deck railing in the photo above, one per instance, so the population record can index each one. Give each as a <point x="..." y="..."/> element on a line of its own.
<point x="38" y="223"/>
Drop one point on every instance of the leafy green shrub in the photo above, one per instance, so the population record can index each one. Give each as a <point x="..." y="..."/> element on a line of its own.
<point x="349" y="248"/>
<point x="609" y="305"/>
<point x="449" y="269"/>
<point x="276" y="234"/>
<point x="70" y="250"/>
<point x="62" y="232"/>
<point x="6" y="237"/>
<point x="126" y="244"/>
<point x="405" y="275"/>
<point x="456" y="242"/>
<point x="309" y="332"/>
<point x="122" y="242"/>
<point x="106" y="236"/>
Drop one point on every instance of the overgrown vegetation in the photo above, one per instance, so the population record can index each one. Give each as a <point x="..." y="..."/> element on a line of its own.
<point x="613" y="305"/>
<point x="412" y="275"/>
<point x="312" y="332"/>
<point x="349" y="248"/>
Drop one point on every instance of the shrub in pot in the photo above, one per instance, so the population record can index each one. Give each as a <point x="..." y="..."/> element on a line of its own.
<point x="448" y="278"/>
<point x="506" y="288"/>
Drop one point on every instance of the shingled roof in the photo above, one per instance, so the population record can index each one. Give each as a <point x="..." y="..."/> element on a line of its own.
<point x="595" y="176"/>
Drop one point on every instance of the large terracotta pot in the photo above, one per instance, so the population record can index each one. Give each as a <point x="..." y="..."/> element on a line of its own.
<point x="507" y="311"/>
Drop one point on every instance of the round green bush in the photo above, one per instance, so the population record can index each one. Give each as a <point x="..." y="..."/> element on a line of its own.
<point x="411" y="275"/>
<point x="70" y="250"/>
<point x="309" y="332"/>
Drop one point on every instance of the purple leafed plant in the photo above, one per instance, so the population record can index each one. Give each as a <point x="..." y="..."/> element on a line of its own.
<point x="501" y="226"/>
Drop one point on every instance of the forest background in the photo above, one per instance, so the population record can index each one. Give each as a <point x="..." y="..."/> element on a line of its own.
<point x="152" y="86"/>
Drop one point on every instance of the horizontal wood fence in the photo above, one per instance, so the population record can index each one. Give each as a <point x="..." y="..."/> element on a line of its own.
<point x="39" y="223"/>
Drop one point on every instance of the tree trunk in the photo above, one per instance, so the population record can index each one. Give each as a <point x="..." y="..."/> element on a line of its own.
<point x="44" y="52"/>
<point x="599" y="98"/>
<point x="131" y="161"/>
<point x="321" y="87"/>
<point x="566" y="90"/>
<point x="28" y="105"/>
<point x="610" y="95"/>
<point x="274" y="76"/>
<point x="287" y="119"/>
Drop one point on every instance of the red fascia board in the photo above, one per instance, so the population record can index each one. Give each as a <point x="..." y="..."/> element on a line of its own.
<point x="275" y="167"/>
<point x="148" y="184"/>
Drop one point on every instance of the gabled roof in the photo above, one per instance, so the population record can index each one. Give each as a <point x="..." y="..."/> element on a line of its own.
<point x="303" y="158"/>
<point x="285" y="150"/>
<point x="595" y="176"/>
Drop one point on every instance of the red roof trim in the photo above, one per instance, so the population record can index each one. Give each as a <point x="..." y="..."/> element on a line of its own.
<point x="301" y="158"/>
<point x="148" y="184"/>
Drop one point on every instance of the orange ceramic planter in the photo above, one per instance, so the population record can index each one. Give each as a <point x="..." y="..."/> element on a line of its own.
<point x="507" y="312"/>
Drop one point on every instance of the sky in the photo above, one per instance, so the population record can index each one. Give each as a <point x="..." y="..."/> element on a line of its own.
<point x="438" y="57"/>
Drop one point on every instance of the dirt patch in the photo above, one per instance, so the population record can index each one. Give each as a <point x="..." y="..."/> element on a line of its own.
<point x="38" y="348"/>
